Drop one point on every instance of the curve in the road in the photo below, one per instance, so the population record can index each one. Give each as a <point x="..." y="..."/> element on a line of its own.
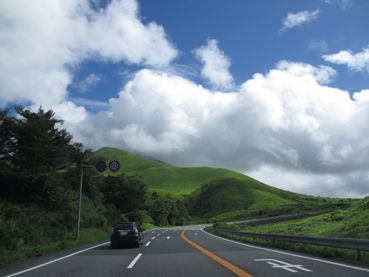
<point x="238" y="271"/>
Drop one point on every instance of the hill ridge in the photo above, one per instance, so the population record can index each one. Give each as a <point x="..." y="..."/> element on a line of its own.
<point x="215" y="193"/>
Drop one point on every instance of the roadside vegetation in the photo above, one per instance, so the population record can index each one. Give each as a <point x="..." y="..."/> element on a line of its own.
<point x="40" y="167"/>
<point x="344" y="223"/>
<point x="40" y="179"/>
<point x="350" y="223"/>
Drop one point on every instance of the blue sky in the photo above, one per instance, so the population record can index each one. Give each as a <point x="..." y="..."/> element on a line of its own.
<point x="251" y="34"/>
<point x="277" y="90"/>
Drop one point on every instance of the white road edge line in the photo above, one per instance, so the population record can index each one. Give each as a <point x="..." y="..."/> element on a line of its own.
<point x="132" y="264"/>
<point x="56" y="260"/>
<point x="290" y="254"/>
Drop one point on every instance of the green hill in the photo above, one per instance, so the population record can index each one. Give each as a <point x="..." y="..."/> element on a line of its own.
<point x="350" y="223"/>
<point x="161" y="177"/>
<point x="215" y="193"/>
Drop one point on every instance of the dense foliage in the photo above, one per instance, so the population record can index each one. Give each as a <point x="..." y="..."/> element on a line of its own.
<point x="40" y="169"/>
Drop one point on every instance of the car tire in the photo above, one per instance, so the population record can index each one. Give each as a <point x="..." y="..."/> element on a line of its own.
<point x="112" y="245"/>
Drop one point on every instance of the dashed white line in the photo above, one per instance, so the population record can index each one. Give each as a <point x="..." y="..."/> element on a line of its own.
<point x="132" y="264"/>
<point x="148" y="243"/>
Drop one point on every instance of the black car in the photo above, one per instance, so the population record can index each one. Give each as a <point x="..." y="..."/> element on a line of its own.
<point x="126" y="233"/>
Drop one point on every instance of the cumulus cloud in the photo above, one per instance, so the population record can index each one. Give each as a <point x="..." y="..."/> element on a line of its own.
<point x="42" y="41"/>
<point x="296" y="19"/>
<point x="285" y="121"/>
<point x="215" y="65"/>
<point x="287" y="127"/>
<point x="356" y="62"/>
<point x="117" y="33"/>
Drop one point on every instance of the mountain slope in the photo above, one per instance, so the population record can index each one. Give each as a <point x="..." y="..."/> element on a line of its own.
<point x="215" y="193"/>
<point x="162" y="177"/>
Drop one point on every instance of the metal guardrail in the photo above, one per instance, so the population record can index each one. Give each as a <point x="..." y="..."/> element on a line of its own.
<point x="274" y="219"/>
<point x="356" y="244"/>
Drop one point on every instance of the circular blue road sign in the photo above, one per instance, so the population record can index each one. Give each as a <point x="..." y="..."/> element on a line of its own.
<point x="114" y="165"/>
<point x="100" y="166"/>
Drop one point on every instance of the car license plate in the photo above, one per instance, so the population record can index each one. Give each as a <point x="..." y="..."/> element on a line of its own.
<point x="123" y="233"/>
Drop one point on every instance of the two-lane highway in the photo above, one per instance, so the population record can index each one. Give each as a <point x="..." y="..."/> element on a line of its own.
<point x="186" y="252"/>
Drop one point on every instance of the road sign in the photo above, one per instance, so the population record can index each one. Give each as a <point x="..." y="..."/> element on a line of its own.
<point x="100" y="166"/>
<point x="114" y="166"/>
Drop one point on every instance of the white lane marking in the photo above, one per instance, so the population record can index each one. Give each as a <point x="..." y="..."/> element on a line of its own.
<point x="148" y="243"/>
<point x="132" y="264"/>
<point x="56" y="260"/>
<point x="289" y="254"/>
<point x="153" y="238"/>
<point x="283" y="265"/>
<point x="168" y="237"/>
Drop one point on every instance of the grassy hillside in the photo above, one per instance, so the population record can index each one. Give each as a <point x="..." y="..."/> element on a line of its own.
<point x="351" y="223"/>
<point x="214" y="193"/>
<point x="161" y="177"/>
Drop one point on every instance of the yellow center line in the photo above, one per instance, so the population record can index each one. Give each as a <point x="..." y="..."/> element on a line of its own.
<point x="238" y="271"/>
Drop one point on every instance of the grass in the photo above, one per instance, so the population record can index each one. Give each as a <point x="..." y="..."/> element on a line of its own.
<point x="229" y="196"/>
<point x="161" y="177"/>
<point x="28" y="251"/>
<point x="342" y="223"/>
<point x="348" y="223"/>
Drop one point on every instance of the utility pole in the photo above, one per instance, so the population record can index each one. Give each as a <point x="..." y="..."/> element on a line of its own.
<point x="100" y="166"/>
<point x="80" y="197"/>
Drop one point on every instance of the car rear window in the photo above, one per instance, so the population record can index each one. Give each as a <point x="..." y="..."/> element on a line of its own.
<point x="123" y="226"/>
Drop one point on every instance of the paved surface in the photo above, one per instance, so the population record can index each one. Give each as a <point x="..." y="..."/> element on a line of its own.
<point x="175" y="252"/>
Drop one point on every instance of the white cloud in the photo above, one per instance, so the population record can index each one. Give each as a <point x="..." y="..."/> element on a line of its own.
<point x="85" y="84"/>
<point x="332" y="185"/>
<point x="216" y="65"/>
<point x="343" y="4"/>
<point x="287" y="121"/>
<point x="117" y="33"/>
<point x="41" y="41"/>
<point x="356" y="62"/>
<point x="296" y="19"/>
<point x="322" y="74"/>
<point x="85" y="102"/>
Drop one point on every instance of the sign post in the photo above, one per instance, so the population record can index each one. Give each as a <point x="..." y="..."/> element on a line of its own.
<point x="101" y="167"/>
<point x="80" y="197"/>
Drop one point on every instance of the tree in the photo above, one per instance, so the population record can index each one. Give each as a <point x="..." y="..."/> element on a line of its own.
<point x="38" y="145"/>
<point x="127" y="193"/>
<point x="33" y="146"/>
<point x="6" y="123"/>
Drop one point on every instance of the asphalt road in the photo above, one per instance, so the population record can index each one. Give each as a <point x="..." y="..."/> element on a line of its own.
<point x="175" y="252"/>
